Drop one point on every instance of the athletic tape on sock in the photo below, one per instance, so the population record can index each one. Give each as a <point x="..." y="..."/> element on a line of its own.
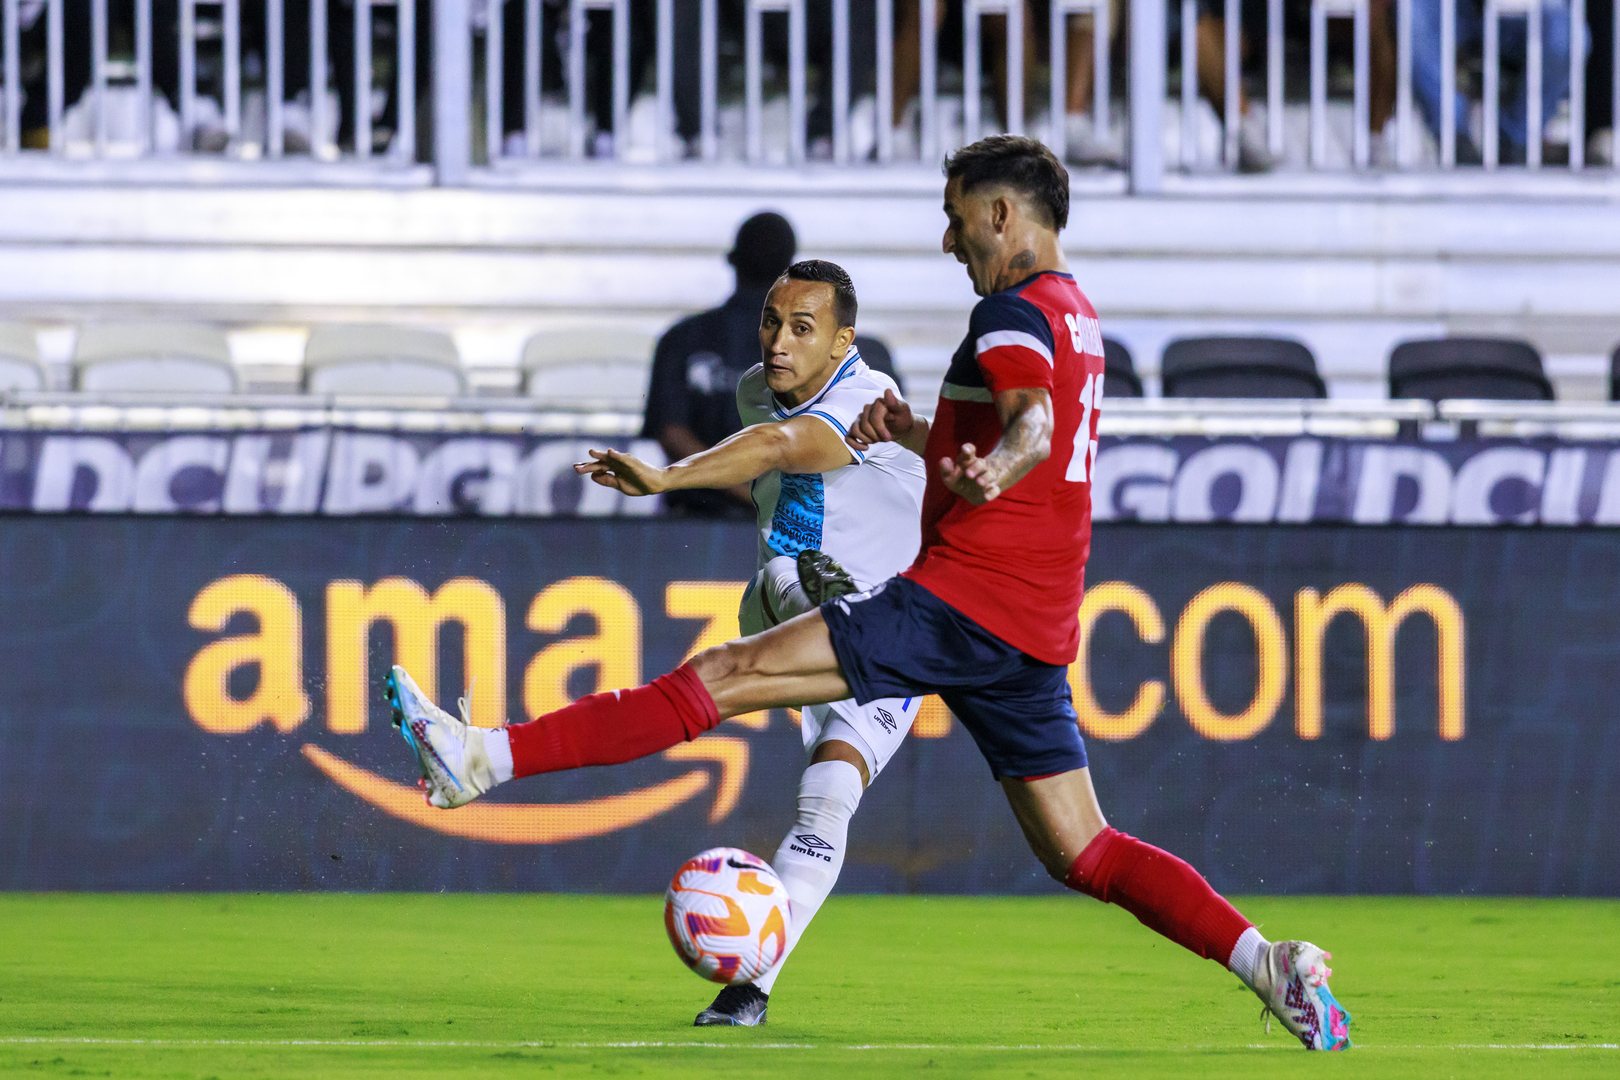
<point x="498" y="746"/>
<point x="1247" y="956"/>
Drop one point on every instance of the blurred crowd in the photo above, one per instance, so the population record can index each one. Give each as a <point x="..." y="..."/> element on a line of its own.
<point x="1558" y="40"/>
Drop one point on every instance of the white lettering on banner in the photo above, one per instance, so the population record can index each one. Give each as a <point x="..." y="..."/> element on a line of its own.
<point x="1302" y="478"/>
<point x="259" y="482"/>
<point x="60" y="460"/>
<point x="1131" y="481"/>
<point x="547" y="483"/>
<point x="1133" y="478"/>
<point x="1382" y="466"/>
<point x="464" y="473"/>
<point x="1561" y="491"/>
<point x="162" y="465"/>
<point x="370" y="474"/>
<point x="1256" y="470"/>
<point x="1478" y="477"/>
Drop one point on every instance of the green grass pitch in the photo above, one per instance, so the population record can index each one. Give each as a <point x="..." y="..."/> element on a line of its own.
<point x="450" y="985"/>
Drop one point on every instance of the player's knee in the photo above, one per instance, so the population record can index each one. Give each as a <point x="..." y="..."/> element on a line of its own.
<point x="839" y="750"/>
<point x="1057" y="866"/>
<point x="723" y="662"/>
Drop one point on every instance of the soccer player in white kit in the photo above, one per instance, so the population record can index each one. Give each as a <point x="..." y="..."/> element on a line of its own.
<point x="814" y="493"/>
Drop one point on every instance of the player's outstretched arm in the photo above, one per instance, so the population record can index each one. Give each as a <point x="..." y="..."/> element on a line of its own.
<point x="889" y="419"/>
<point x="1026" y="441"/>
<point x="801" y="445"/>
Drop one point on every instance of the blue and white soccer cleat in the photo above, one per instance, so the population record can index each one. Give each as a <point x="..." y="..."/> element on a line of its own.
<point x="737" y="1006"/>
<point x="451" y="752"/>
<point x="1293" y="984"/>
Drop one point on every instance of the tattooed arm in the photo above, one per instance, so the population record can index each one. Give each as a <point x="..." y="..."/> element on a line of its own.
<point x="1026" y="441"/>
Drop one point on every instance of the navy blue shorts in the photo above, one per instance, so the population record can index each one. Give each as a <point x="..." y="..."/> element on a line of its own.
<point x="900" y="640"/>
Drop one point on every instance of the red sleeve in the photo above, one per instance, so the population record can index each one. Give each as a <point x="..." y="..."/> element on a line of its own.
<point x="1013" y="344"/>
<point x="1014" y="367"/>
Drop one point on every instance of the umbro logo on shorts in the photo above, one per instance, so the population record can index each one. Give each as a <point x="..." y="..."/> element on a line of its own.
<point x="886" y="718"/>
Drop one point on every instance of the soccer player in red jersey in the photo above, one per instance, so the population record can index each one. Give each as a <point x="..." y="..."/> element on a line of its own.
<point x="987" y="617"/>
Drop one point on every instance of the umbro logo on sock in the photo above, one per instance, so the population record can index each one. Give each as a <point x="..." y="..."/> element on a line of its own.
<point x="812" y="845"/>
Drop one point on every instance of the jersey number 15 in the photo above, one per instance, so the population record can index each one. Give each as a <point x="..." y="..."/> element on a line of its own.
<point x="1084" y="459"/>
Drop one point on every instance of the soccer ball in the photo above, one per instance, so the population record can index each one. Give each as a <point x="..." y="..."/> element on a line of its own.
<point x="726" y="912"/>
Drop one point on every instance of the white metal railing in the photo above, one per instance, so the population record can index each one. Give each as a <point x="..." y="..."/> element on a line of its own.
<point x="768" y="120"/>
<point x="106" y="128"/>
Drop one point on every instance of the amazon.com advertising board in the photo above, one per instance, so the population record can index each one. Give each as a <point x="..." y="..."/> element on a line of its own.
<point x="194" y="703"/>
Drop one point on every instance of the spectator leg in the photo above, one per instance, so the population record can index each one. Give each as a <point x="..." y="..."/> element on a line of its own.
<point x="1381" y="42"/>
<point x="1427" y="61"/>
<point x="1080" y="30"/>
<point x="993" y="40"/>
<point x="908" y="51"/>
<point x="166" y="50"/>
<point x="1555" y="40"/>
<point x="1212" y="63"/>
<point x="688" y="72"/>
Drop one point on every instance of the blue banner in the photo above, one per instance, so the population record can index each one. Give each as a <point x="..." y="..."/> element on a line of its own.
<point x="338" y="472"/>
<point x="194" y="703"/>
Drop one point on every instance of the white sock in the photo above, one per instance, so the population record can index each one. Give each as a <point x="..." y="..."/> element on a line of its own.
<point x="1247" y="956"/>
<point x="498" y="747"/>
<point x="812" y="853"/>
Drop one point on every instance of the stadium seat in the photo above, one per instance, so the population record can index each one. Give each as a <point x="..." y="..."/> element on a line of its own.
<point x="1119" y="371"/>
<point x="20" y="368"/>
<point x="154" y="357"/>
<point x="380" y="359"/>
<point x="1240" y="367"/>
<point x="589" y="369"/>
<point x="1492" y="369"/>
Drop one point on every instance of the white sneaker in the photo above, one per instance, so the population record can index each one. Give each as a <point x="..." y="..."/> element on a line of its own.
<point x="1293" y="984"/>
<point x="450" y="751"/>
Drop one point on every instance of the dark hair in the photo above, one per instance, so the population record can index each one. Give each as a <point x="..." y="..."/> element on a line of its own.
<point x="1024" y="165"/>
<point x="828" y="273"/>
<point x="764" y="247"/>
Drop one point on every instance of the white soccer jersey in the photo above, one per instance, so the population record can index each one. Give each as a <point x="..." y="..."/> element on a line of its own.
<point x="866" y="514"/>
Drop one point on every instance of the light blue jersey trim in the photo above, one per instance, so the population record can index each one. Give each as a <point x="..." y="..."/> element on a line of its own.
<point x="779" y="413"/>
<point x="800" y="519"/>
<point x="840" y="428"/>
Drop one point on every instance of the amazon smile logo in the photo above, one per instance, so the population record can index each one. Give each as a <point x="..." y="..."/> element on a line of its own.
<point x="240" y="681"/>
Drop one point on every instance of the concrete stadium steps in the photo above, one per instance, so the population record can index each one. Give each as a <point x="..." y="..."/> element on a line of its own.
<point x="1349" y="265"/>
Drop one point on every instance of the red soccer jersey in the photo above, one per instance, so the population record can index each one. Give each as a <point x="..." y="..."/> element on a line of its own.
<point x="1016" y="565"/>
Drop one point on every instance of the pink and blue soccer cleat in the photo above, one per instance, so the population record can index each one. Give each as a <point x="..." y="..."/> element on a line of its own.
<point x="1293" y="984"/>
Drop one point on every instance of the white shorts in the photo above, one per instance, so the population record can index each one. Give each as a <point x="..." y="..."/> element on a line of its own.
<point x="877" y="728"/>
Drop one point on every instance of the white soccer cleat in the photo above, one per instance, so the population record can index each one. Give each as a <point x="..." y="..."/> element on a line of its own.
<point x="450" y="751"/>
<point x="1292" y="982"/>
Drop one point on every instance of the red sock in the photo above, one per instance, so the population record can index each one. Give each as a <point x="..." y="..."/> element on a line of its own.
<point x="615" y="727"/>
<point x="1163" y="892"/>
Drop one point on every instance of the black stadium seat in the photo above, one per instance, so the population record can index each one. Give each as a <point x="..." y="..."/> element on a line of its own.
<point x="1492" y="369"/>
<point x="1240" y="367"/>
<point x="1119" y="372"/>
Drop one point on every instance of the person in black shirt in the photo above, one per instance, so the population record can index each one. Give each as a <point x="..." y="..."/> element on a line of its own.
<point x="692" y="399"/>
